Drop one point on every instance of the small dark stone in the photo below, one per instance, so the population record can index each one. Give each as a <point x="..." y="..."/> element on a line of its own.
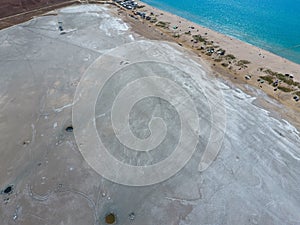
<point x="69" y="129"/>
<point x="8" y="189"/>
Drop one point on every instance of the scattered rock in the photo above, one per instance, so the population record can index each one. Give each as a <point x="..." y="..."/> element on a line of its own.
<point x="296" y="98"/>
<point x="247" y="77"/>
<point x="69" y="129"/>
<point x="8" y="190"/>
<point x="26" y="143"/>
<point x="131" y="216"/>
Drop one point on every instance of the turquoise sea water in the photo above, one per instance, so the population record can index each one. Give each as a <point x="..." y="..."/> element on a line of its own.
<point x="273" y="25"/>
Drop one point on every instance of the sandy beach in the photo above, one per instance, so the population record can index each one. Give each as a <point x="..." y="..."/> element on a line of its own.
<point x="243" y="64"/>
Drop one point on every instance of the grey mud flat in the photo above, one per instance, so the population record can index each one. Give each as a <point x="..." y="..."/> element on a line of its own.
<point x="44" y="179"/>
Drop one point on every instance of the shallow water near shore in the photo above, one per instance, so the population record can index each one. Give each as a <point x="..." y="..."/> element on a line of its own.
<point x="271" y="25"/>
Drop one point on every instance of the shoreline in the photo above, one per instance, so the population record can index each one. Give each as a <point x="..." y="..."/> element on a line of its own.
<point x="242" y="64"/>
<point x="272" y="47"/>
<point x="258" y="58"/>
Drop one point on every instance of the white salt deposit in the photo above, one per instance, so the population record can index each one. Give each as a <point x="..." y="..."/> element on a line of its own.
<point x="112" y="25"/>
<point x="83" y="8"/>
